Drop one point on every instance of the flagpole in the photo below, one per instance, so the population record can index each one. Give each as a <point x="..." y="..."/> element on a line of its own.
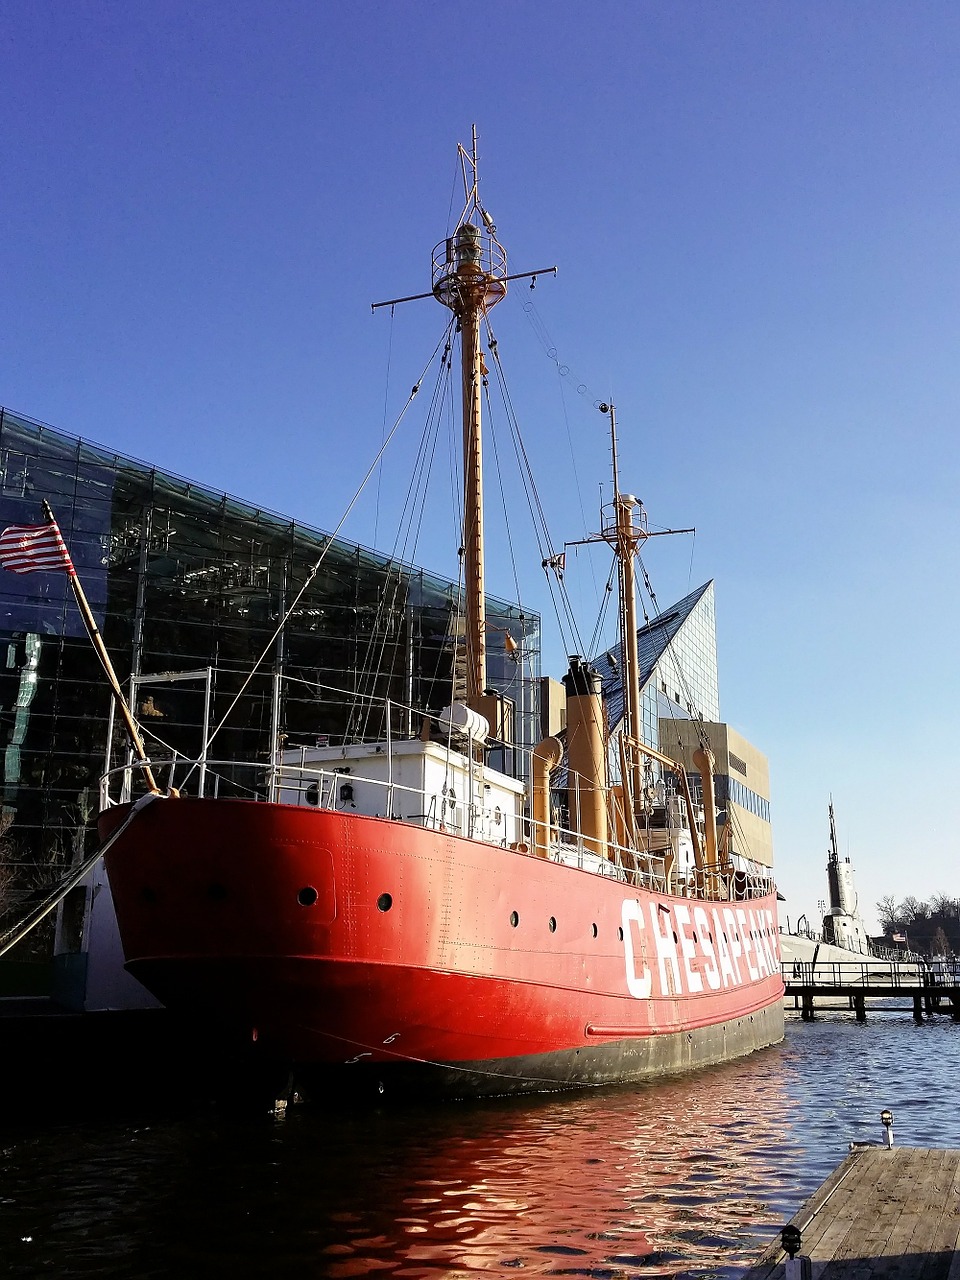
<point x="96" y="640"/>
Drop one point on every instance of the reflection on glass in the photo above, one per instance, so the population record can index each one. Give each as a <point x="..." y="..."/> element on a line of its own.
<point x="180" y="578"/>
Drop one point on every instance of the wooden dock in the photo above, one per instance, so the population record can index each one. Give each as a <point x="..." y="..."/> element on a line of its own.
<point x="881" y="1214"/>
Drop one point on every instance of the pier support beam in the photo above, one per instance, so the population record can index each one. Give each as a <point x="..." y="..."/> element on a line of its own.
<point x="918" y="1009"/>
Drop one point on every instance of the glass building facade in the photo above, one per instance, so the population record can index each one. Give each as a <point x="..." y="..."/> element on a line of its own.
<point x="678" y="667"/>
<point x="678" y="687"/>
<point x="188" y="587"/>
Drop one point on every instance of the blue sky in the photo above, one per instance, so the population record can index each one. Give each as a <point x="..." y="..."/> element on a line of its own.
<point x="753" y="207"/>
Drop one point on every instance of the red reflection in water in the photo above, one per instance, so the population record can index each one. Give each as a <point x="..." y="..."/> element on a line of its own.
<point x="678" y="1179"/>
<point x="662" y="1180"/>
<point x="685" y="1178"/>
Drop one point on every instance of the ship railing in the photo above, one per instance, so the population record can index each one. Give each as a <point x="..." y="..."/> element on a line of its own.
<point x="730" y="886"/>
<point x="333" y="790"/>
<point x="644" y="870"/>
<point x="745" y="888"/>
<point x="182" y="775"/>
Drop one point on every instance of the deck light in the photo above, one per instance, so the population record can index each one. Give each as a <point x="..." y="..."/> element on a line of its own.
<point x="790" y="1235"/>
<point x="795" y="1268"/>
<point x="886" y="1119"/>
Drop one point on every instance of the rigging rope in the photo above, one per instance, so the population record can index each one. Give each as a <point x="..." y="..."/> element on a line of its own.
<point x="383" y="429"/>
<point x="20" y="930"/>
<point x="323" y="554"/>
<point x="405" y="543"/>
<point x="563" y="610"/>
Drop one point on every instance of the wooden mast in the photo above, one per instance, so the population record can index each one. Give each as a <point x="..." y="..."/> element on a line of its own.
<point x="628" y="538"/>
<point x="471" y="363"/>
<point x="470" y="277"/>
<point x="626" y="533"/>
<point x="470" y="280"/>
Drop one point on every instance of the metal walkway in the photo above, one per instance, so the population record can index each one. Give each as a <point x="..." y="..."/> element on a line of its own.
<point x="932" y="988"/>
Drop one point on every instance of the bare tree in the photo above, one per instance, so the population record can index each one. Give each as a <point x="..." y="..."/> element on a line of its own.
<point x="914" y="910"/>
<point x="888" y="913"/>
<point x="939" y="943"/>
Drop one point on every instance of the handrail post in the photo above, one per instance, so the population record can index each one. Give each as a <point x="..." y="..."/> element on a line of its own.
<point x="389" y="813"/>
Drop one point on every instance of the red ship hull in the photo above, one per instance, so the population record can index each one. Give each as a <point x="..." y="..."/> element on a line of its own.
<point x="384" y="949"/>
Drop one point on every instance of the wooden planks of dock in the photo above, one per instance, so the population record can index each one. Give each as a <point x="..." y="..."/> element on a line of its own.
<point x="882" y="1213"/>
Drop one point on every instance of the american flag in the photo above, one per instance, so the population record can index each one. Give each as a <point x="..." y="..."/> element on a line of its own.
<point x="28" y="548"/>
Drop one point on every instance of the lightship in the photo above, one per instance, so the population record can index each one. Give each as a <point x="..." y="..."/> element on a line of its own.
<point x="401" y="913"/>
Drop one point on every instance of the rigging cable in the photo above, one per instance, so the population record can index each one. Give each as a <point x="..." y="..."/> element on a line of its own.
<point x="681" y="675"/>
<point x="539" y="327"/>
<point x="323" y="554"/>
<point x="403" y="550"/>
<point x="604" y="605"/>
<point x="383" y="429"/>
<point x="19" y="931"/>
<point x="537" y="513"/>
<point x="509" y="535"/>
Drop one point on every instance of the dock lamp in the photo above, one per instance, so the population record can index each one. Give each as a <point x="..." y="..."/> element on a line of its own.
<point x="790" y="1235"/>
<point x="886" y="1119"/>
<point x="796" y="1268"/>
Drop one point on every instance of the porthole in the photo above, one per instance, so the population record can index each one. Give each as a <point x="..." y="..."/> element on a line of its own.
<point x="148" y="894"/>
<point x="620" y="933"/>
<point x="514" y="919"/>
<point x="384" y="902"/>
<point x="307" y="896"/>
<point x="594" y="930"/>
<point x="552" y="924"/>
<point x="216" y="892"/>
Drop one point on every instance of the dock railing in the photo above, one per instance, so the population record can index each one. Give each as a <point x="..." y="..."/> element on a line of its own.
<point x="933" y="986"/>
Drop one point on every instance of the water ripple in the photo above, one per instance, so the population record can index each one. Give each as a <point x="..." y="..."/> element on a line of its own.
<point x="681" y="1179"/>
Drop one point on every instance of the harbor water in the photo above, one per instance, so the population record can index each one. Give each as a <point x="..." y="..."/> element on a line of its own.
<point x="687" y="1177"/>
